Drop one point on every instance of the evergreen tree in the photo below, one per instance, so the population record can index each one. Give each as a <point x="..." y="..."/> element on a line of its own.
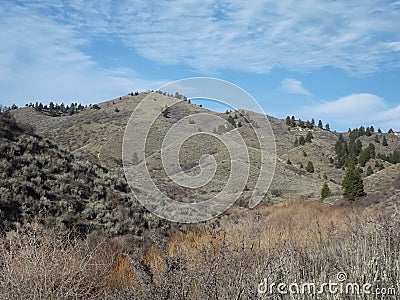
<point x="166" y="112"/>
<point x="325" y="191"/>
<point x="312" y="123"/>
<point x="351" y="159"/>
<point x="231" y="120"/>
<point x="370" y="171"/>
<point x="384" y="141"/>
<point x="376" y="139"/>
<point x="327" y="127"/>
<point x="309" y="137"/>
<point x="296" y="142"/>
<point x="310" y="167"/>
<point x="353" y="186"/>
<point x="364" y="157"/>
<point x="390" y="130"/>
<point x="301" y="166"/>
<point x="302" y="140"/>
<point x="288" y="120"/>
<point x="371" y="150"/>
<point x="320" y="124"/>
<point x="292" y="122"/>
<point x="358" y="147"/>
<point x="379" y="130"/>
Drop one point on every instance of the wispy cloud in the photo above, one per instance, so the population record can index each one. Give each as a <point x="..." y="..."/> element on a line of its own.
<point x="294" y="86"/>
<point x="41" y="59"/>
<point x="355" y="110"/>
<point x="211" y="35"/>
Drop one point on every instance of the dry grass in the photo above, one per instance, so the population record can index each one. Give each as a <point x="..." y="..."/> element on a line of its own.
<point x="295" y="241"/>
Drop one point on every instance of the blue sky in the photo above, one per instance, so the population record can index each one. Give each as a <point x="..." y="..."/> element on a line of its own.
<point x="338" y="61"/>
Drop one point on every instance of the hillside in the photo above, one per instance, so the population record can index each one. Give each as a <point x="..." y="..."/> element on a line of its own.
<point x="96" y="135"/>
<point x="43" y="183"/>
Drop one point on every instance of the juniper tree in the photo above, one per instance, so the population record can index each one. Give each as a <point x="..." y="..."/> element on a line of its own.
<point x="384" y="141"/>
<point x="370" y="171"/>
<point x="352" y="185"/>
<point x="310" y="167"/>
<point x="327" y="127"/>
<point x="325" y="191"/>
<point x="309" y="137"/>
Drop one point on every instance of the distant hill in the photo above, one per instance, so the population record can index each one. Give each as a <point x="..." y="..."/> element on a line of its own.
<point x="96" y="134"/>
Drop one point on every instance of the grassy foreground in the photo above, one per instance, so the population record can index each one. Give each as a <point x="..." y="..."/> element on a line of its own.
<point x="290" y="242"/>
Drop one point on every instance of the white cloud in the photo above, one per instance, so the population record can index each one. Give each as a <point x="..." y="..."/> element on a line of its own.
<point x="294" y="86"/>
<point x="395" y="46"/>
<point x="211" y="35"/>
<point x="355" y="110"/>
<point x="41" y="60"/>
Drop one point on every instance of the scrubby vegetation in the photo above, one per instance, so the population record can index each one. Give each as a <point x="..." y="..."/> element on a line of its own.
<point x="292" y="242"/>
<point x="40" y="181"/>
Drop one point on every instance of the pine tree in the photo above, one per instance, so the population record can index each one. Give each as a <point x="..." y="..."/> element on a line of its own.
<point x="166" y="112"/>
<point x="371" y="150"/>
<point x="320" y="124"/>
<point x="231" y="120"/>
<point x="296" y="142"/>
<point x="379" y="130"/>
<point x="384" y="141"/>
<point x="302" y="140"/>
<point x="364" y="157"/>
<point x="377" y="139"/>
<point x="292" y="122"/>
<point x="309" y="137"/>
<point x="288" y="120"/>
<point x="310" y="167"/>
<point x="370" y="171"/>
<point x="352" y="185"/>
<point x="327" y="127"/>
<point x="358" y="147"/>
<point x="325" y="191"/>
